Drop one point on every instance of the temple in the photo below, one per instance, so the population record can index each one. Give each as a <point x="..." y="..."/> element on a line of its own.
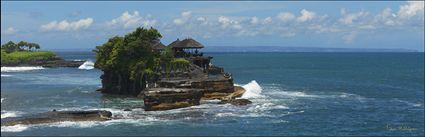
<point x="187" y="86"/>
<point x="190" y="49"/>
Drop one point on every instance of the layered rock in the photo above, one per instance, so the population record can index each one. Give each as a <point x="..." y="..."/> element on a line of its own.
<point x="215" y="88"/>
<point x="171" y="98"/>
<point x="58" y="116"/>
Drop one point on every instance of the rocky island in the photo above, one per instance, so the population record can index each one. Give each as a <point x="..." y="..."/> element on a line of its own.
<point x="165" y="77"/>
<point x="28" y="54"/>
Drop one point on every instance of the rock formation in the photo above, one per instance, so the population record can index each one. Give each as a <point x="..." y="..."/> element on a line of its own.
<point x="58" y="116"/>
<point x="170" y="77"/>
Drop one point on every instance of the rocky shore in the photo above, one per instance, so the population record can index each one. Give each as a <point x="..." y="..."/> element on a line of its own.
<point x="58" y="116"/>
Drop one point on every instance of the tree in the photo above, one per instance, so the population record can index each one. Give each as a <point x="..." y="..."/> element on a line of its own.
<point x="9" y="47"/>
<point x="36" y="46"/>
<point x="131" y="57"/>
<point x="22" y="45"/>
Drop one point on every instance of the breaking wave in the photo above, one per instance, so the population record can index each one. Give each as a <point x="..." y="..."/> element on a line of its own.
<point x="6" y="114"/>
<point x="19" y="69"/>
<point x="15" y="128"/>
<point x="2" y="100"/>
<point x="253" y="90"/>
<point x="87" y="65"/>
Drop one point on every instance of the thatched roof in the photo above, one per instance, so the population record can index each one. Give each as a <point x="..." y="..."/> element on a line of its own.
<point x="186" y="43"/>
<point x="159" y="46"/>
<point x="173" y="43"/>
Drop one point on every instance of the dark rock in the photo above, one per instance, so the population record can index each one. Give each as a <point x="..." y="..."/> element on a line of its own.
<point x="58" y="116"/>
<point x="171" y="98"/>
<point x="237" y="102"/>
<point x="127" y="109"/>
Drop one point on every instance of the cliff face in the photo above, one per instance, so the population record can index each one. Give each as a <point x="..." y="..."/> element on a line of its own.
<point x="120" y="83"/>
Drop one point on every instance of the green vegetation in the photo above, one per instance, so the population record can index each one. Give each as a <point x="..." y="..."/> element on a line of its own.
<point x="25" y="56"/>
<point x="132" y="57"/>
<point x="21" y="46"/>
<point x="23" y="52"/>
<point x="131" y="54"/>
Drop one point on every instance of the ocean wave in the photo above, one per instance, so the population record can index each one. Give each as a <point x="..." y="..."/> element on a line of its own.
<point x="265" y="107"/>
<point x="20" y="69"/>
<point x="2" y="99"/>
<point x="4" y="75"/>
<point x="253" y="90"/>
<point x="15" y="128"/>
<point x="6" y="114"/>
<point x="87" y="65"/>
<point x="409" y="103"/>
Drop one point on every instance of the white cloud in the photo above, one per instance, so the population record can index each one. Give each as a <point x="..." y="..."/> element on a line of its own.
<point x="128" y="20"/>
<point x="286" y="16"/>
<point x="10" y="31"/>
<point x="226" y="22"/>
<point x="350" y="18"/>
<point x="411" y="9"/>
<point x="306" y="15"/>
<point x="386" y="17"/>
<point x="254" y="20"/>
<point x="67" y="26"/>
<point x="201" y="19"/>
<point x="267" y="20"/>
<point x="185" y="16"/>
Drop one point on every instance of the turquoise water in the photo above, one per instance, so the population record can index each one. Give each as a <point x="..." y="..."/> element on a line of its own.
<point x="297" y="94"/>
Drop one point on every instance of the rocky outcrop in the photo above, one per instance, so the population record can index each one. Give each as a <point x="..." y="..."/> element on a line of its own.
<point x="58" y="116"/>
<point x="237" y="93"/>
<point x="120" y="83"/>
<point x="236" y="102"/>
<point x="171" y="98"/>
<point x="55" y="62"/>
<point x="216" y="88"/>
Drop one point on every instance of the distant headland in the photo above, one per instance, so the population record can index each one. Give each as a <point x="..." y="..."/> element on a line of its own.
<point x="28" y="54"/>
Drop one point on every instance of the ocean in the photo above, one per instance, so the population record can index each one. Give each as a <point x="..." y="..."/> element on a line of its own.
<point x="302" y="94"/>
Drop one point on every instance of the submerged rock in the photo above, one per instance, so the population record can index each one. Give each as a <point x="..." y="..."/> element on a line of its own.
<point x="127" y="109"/>
<point x="236" y="102"/>
<point x="58" y="116"/>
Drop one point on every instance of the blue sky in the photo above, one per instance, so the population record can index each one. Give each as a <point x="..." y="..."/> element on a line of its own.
<point x="84" y="25"/>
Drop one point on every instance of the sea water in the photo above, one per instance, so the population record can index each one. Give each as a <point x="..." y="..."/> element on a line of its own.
<point x="292" y="93"/>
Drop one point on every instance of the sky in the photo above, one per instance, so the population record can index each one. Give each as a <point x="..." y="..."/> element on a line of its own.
<point x="331" y="24"/>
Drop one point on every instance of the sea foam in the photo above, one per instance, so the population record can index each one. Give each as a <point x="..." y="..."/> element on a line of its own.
<point x="19" y="69"/>
<point x="253" y="90"/>
<point x="87" y="65"/>
<point x="6" y="114"/>
<point x="15" y="128"/>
